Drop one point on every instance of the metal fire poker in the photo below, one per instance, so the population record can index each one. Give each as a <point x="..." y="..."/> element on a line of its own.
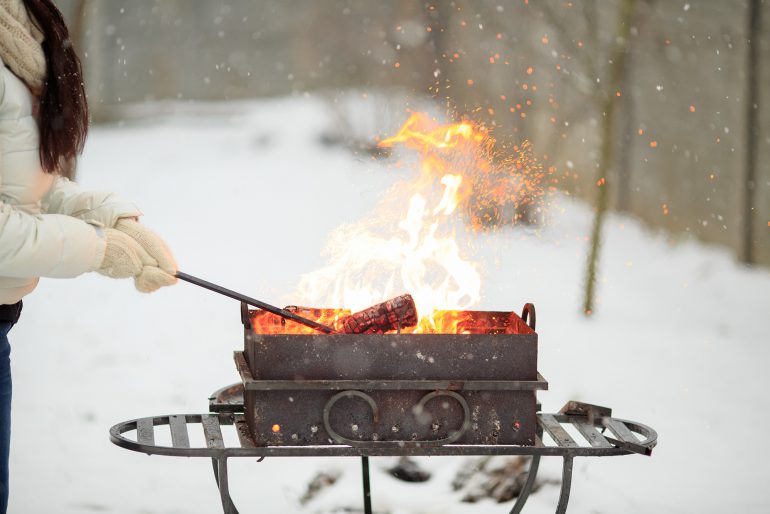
<point x="255" y="303"/>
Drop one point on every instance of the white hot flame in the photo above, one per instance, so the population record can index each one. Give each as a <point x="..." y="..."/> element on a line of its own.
<point x="367" y="267"/>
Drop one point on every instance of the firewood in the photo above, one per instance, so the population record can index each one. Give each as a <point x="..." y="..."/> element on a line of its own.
<point x="393" y="314"/>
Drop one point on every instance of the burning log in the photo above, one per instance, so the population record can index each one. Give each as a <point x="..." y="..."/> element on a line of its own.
<point x="396" y="313"/>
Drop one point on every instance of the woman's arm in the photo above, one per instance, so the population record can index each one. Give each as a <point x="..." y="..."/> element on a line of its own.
<point x="132" y="250"/>
<point x="102" y="208"/>
<point x="49" y="245"/>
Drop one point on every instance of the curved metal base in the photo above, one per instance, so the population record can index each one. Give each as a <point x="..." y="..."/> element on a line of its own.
<point x="528" y="485"/>
<point x="566" y="485"/>
<point x="220" y="476"/>
<point x="228" y="507"/>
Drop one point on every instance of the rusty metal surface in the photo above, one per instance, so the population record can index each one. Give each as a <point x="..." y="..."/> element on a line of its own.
<point x="249" y="383"/>
<point x="227" y="399"/>
<point x="394" y="389"/>
<point x="591" y="411"/>
<point x="293" y="418"/>
<point x="392" y="357"/>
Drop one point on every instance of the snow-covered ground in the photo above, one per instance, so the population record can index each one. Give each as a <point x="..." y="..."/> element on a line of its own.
<point x="680" y="341"/>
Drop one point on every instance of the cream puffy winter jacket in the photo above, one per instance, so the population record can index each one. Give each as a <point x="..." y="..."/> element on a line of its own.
<point x="47" y="224"/>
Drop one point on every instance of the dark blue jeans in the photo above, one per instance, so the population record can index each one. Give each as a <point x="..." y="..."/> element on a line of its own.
<point x="5" y="411"/>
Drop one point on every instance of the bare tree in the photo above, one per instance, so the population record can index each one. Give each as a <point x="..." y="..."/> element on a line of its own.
<point x="752" y="130"/>
<point x="603" y="89"/>
<point x="611" y="93"/>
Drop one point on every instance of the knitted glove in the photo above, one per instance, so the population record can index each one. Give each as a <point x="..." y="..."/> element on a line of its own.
<point x="124" y="257"/>
<point x="163" y="271"/>
<point x="153" y="278"/>
<point x="150" y="241"/>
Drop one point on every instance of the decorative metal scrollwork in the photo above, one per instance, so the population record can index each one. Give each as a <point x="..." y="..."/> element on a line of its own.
<point x="418" y="408"/>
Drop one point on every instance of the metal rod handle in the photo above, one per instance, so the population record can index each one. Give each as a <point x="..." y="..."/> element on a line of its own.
<point x="254" y="302"/>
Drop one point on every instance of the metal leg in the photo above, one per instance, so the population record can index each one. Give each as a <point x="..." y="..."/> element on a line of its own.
<point x="566" y="484"/>
<point x="216" y="471"/>
<point x="220" y="474"/>
<point x="524" y="494"/>
<point x="367" y="488"/>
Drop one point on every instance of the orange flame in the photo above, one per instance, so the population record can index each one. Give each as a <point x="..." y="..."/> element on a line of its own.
<point x="264" y="323"/>
<point x="410" y="245"/>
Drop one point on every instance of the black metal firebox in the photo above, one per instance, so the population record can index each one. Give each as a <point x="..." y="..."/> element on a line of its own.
<point x="476" y="387"/>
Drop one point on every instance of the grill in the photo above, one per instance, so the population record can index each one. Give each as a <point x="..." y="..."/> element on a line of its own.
<point x="471" y="392"/>
<point x="474" y="387"/>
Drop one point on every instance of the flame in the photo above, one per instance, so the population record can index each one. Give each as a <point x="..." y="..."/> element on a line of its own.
<point x="416" y="250"/>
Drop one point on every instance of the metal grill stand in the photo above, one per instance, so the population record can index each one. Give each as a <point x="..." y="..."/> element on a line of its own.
<point x="229" y="411"/>
<point x="224" y="406"/>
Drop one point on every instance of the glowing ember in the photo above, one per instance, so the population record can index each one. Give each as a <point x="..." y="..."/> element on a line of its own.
<point x="269" y="324"/>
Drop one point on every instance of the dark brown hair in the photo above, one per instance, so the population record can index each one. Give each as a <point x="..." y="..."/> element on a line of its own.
<point x="63" y="116"/>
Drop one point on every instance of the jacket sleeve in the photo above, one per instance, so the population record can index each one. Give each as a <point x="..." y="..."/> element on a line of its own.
<point x="48" y="245"/>
<point x="99" y="208"/>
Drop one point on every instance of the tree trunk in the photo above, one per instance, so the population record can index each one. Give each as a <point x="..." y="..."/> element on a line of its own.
<point x="609" y="102"/>
<point x="752" y="131"/>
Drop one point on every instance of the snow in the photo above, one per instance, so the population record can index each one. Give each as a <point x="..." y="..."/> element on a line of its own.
<point x="247" y="199"/>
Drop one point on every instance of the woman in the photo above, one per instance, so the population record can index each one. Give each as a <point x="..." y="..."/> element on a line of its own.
<point x="48" y="227"/>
